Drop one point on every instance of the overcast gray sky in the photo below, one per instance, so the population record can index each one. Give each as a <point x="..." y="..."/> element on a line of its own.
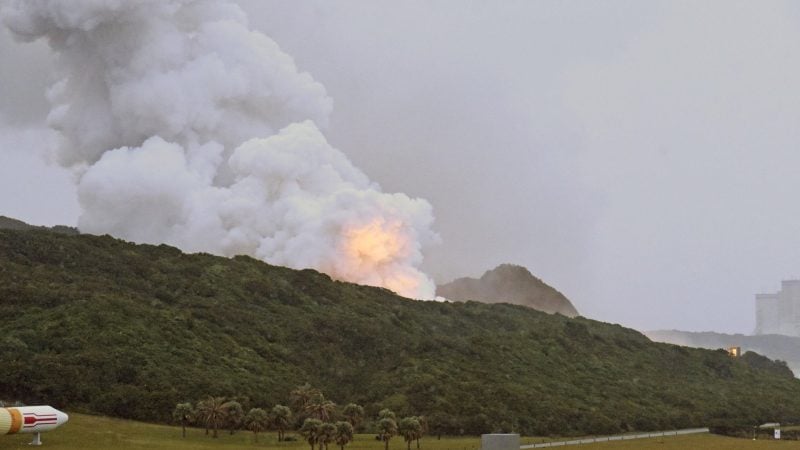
<point x="641" y="157"/>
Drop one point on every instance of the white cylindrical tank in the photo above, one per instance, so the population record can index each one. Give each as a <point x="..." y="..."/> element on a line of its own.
<point x="30" y="419"/>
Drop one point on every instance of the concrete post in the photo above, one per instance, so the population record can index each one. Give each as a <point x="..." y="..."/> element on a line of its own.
<point x="500" y="442"/>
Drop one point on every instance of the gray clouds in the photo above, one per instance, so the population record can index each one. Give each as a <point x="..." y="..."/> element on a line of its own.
<point x="691" y="134"/>
<point x="183" y="126"/>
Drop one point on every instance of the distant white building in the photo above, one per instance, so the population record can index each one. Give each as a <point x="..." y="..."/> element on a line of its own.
<point x="779" y="313"/>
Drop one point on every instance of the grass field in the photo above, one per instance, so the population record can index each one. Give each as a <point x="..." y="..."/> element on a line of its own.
<point x="92" y="432"/>
<point x="89" y="432"/>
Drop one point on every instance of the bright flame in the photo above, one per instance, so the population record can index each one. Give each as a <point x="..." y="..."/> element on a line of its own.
<point x="375" y="243"/>
<point x="375" y="253"/>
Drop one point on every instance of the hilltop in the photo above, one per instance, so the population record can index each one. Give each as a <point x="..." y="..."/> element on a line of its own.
<point x="95" y="324"/>
<point x="8" y="223"/>
<point x="508" y="283"/>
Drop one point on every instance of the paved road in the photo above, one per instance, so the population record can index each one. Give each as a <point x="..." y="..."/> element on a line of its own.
<point x="622" y="437"/>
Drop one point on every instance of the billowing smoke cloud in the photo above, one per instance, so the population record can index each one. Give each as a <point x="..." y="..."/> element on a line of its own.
<point x="190" y="129"/>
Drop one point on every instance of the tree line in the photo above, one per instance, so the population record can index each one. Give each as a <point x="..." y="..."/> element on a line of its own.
<point x="317" y="419"/>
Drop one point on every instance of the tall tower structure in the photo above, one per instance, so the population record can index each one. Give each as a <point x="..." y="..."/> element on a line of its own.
<point x="767" y="315"/>
<point x="779" y="313"/>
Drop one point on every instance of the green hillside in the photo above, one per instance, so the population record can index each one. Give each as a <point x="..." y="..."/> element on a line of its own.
<point x="784" y="348"/>
<point x="97" y="324"/>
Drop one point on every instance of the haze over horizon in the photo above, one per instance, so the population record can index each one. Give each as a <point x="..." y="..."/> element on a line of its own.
<point x="637" y="157"/>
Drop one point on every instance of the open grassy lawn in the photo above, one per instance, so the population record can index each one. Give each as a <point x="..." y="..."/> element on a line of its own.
<point x="84" y="432"/>
<point x="90" y="432"/>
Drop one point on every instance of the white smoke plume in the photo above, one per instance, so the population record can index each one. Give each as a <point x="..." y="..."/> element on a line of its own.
<point x="190" y="129"/>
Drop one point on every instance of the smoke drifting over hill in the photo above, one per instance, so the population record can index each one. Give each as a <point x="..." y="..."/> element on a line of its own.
<point x="190" y="129"/>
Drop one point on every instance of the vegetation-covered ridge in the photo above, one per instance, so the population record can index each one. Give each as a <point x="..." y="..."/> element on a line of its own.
<point x="97" y="324"/>
<point x="776" y="346"/>
<point x="8" y="223"/>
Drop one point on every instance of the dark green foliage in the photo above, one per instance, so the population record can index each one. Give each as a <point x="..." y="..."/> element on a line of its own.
<point x="410" y="429"/>
<point x="757" y="361"/>
<point x="387" y="414"/>
<point x="234" y="415"/>
<point x="212" y="412"/>
<point x="256" y="421"/>
<point x="96" y="324"/>
<point x="344" y="434"/>
<point x="7" y="223"/>
<point x="281" y="419"/>
<point x="387" y="428"/>
<point x="774" y="346"/>
<point x="312" y="431"/>
<point x="183" y="414"/>
<point x="327" y="434"/>
<point x="320" y="408"/>
<point x="354" y="414"/>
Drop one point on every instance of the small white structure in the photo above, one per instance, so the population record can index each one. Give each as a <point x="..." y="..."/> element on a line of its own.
<point x="775" y="425"/>
<point x="500" y="442"/>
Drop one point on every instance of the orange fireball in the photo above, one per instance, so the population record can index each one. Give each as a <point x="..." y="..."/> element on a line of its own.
<point x="375" y="243"/>
<point x="374" y="253"/>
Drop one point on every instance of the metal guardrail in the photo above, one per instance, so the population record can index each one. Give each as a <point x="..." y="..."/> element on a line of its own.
<point x="622" y="437"/>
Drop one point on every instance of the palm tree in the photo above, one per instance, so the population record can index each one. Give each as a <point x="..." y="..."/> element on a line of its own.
<point x="387" y="414"/>
<point x="302" y="395"/>
<point x="281" y="419"/>
<point x="327" y="433"/>
<point x="256" y="421"/>
<point x="311" y="431"/>
<point x="423" y="422"/>
<point x="234" y="413"/>
<point x="184" y="412"/>
<point x="439" y="423"/>
<point x="212" y="412"/>
<point x="410" y="429"/>
<point x="387" y="428"/>
<point x="354" y="414"/>
<point x="344" y="434"/>
<point x="320" y="408"/>
<point x="199" y="413"/>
